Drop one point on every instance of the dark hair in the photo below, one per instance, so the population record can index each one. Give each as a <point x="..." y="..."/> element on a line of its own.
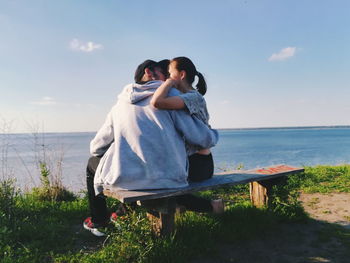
<point x="184" y="63"/>
<point x="140" y="71"/>
<point x="163" y="65"/>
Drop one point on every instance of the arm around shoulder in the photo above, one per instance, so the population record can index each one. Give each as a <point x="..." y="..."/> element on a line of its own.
<point x="161" y="100"/>
<point x="194" y="130"/>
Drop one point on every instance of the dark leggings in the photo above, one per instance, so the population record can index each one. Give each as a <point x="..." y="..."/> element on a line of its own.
<point x="97" y="203"/>
<point x="201" y="167"/>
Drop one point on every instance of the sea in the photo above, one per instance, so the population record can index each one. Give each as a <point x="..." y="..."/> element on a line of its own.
<point x="66" y="154"/>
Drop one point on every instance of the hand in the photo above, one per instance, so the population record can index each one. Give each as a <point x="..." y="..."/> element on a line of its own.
<point x="170" y="83"/>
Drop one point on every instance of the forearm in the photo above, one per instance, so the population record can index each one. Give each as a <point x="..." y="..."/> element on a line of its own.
<point x="161" y="93"/>
<point x="161" y="100"/>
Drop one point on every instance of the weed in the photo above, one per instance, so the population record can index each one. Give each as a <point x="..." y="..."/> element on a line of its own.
<point x="49" y="163"/>
<point x="8" y="194"/>
<point x="51" y="191"/>
<point x="285" y="201"/>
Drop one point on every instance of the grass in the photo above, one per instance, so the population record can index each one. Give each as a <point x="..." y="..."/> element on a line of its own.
<point x="326" y="179"/>
<point x="34" y="229"/>
<point x="39" y="228"/>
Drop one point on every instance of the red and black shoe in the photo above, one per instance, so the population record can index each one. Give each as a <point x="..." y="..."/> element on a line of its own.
<point x="93" y="227"/>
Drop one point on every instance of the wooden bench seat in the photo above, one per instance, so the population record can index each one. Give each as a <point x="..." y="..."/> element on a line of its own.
<point x="161" y="204"/>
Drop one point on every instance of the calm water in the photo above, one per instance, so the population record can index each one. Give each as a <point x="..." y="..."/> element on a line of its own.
<point x="250" y="148"/>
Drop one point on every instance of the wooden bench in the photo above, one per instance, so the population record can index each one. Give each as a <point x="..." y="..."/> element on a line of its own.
<point x="161" y="203"/>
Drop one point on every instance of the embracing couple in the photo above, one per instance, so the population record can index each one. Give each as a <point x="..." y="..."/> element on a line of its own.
<point x="156" y="136"/>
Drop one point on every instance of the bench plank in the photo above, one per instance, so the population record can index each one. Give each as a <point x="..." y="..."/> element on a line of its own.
<point x="218" y="180"/>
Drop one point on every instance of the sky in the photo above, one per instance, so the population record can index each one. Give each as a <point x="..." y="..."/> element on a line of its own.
<point x="267" y="63"/>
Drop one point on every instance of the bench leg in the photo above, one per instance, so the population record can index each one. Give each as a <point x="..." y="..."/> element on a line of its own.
<point x="260" y="192"/>
<point x="162" y="216"/>
<point x="162" y="223"/>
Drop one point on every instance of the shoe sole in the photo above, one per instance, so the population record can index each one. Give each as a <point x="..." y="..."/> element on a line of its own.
<point x="94" y="231"/>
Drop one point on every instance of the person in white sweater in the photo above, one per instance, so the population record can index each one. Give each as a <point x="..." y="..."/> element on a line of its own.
<point x="141" y="147"/>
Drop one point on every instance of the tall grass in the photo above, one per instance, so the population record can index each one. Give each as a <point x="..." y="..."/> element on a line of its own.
<point x="8" y="191"/>
<point x="51" y="190"/>
<point x="7" y="172"/>
<point x="19" y="213"/>
<point x="49" y="163"/>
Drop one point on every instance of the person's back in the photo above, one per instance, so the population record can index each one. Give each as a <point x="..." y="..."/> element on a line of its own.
<point x="148" y="149"/>
<point x="140" y="147"/>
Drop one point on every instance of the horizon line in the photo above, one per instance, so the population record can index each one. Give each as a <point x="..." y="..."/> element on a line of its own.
<point x="241" y="128"/>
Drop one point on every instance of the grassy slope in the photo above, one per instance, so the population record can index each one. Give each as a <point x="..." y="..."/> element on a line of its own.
<point x="44" y="231"/>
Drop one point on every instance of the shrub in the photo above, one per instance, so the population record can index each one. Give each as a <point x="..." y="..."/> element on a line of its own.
<point x="49" y="191"/>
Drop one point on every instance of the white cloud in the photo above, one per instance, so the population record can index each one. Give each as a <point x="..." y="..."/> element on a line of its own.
<point x="225" y="102"/>
<point x="84" y="106"/>
<point x="284" y="54"/>
<point x="90" y="46"/>
<point x="45" y="101"/>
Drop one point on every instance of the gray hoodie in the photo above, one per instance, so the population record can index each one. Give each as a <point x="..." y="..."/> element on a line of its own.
<point x="143" y="147"/>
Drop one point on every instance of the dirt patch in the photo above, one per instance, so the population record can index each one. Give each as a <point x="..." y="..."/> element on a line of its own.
<point x="311" y="242"/>
<point x="332" y="208"/>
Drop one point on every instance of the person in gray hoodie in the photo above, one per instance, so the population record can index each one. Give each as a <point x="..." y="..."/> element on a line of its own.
<point x="141" y="147"/>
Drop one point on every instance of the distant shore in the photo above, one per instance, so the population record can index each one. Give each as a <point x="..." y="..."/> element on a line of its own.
<point x="220" y="129"/>
<point x="289" y="127"/>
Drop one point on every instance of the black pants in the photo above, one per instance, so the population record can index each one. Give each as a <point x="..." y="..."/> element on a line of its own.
<point x="98" y="206"/>
<point x="201" y="167"/>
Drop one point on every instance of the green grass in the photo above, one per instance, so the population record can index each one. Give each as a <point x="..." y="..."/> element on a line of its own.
<point x="35" y="230"/>
<point x="39" y="228"/>
<point x="326" y="179"/>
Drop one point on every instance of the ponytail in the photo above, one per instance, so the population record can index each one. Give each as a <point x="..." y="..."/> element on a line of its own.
<point x="201" y="85"/>
<point x="184" y="63"/>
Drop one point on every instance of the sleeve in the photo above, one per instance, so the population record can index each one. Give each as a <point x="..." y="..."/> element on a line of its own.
<point x="192" y="101"/>
<point x="104" y="137"/>
<point x="193" y="130"/>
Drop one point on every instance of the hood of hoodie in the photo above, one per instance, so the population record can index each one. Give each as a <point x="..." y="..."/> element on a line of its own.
<point x="134" y="92"/>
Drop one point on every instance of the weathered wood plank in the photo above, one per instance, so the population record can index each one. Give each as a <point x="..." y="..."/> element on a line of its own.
<point x="218" y="180"/>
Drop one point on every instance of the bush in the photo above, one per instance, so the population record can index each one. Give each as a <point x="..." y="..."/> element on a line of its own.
<point x="8" y="221"/>
<point x="51" y="191"/>
<point x="8" y="194"/>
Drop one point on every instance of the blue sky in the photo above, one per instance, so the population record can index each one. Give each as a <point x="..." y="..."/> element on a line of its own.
<point x="267" y="63"/>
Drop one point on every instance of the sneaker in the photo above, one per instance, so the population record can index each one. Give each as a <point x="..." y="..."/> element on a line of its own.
<point x="93" y="227"/>
<point x="218" y="206"/>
